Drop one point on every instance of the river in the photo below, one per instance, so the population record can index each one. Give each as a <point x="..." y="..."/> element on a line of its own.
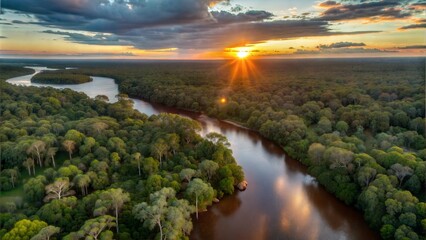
<point x="282" y="200"/>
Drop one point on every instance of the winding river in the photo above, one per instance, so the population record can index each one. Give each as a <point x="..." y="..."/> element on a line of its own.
<point x="282" y="200"/>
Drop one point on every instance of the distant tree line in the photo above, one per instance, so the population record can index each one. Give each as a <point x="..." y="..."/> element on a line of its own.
<point x="60" y="77"/>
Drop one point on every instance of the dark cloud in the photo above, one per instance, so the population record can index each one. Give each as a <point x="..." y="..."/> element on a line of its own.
<point x="249" y="16"/>
<point x="161" y="24"/>
<point x="413" y="47"/>
<point x="384" y="9"/>
<point x="344" y="50"/>
<point x="113" y="15"/>
<point x="340" y="45"/>
<point x="413" y="26"/>
<point x="3" y="37"/>
<point x="97" y="39"/>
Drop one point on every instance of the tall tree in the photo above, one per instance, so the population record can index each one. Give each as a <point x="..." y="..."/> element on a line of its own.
<point x="37" y="148"/>
<point x="29" y="164"/>
<point x="69" y="146"/>
<point x="159" y="149"/>
<point x="82" y="181"/>
<point x="137" y="158"/>
<point x="113" y="198"/>
<point x="172" y="216"/>
<point x="51" y="152"/>
<point x="202" y="192"/>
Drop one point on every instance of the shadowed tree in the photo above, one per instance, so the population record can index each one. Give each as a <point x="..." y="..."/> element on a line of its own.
<point x="137" y="159"/>
<point x="114" y="199"/>
<point x="51" y="152"/>
<point x="37" y="148"/>
<point x="401" y="171"/>
<point x="69" y="146"/>
<point x="82" y="181"/>
<point x="366" y="175"/>
<point x="29" y="164"/>
<point x="187" y="174"/>
<point x="13" y="174"/>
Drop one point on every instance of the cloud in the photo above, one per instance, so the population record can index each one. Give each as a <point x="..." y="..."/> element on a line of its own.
<point x="372" y="10"/>
<point x="343" y="50"/>
<point x="97" y="39"/>
<point x="421" y="23"/>
<point x="249" y="16"/>
<point x="413" y="47"/>
<point x="114" y="15"/>
<point x="3" y="37"/>
<point x="340" y="45"/>
<point x="161" y="24"/>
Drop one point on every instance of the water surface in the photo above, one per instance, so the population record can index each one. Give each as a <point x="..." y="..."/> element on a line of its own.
<point x="282" y="200"/>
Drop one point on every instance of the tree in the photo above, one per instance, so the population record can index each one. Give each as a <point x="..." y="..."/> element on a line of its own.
<point x="113" y="198"/>
<point x="69" y="146"/>
<point x="172" y="216"/>
<point x="51" y="152"/>
<point x="37" y="148"/>
<point x="95" y="228"/>
<point x="159" y="149"/>
<point x="208" y="168"/>
<point x="150" y="166"/>
<point x="202" y="192"/>
<point x="13" y="175"/>
<point x="342" y="127"/>
<point x="29" y="164"/>
<point x="60" y="188"/>
<point x="137" y="158"/>
<point x="173" y="142"/>
<point x="187" y="174"/>
<point x="34" y="188"/>
<point x="82" y="181"/>
<point x="24" y="229"/>
<point x="315" y="152"/>
<point x="366" y="175"/>
<point x="46" y="232"/>
<point x="75" y="136"/>
<point x="401" y="171"/>
<point x="338" y="157"/>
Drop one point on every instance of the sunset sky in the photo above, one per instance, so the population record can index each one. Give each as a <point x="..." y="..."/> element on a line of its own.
<point x="209" y="29"/>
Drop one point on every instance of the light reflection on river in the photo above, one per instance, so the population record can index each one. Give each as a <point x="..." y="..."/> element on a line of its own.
<point x="282" y="201"/>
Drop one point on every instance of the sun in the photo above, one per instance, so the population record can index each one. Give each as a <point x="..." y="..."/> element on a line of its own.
<point x="242" y="54"/>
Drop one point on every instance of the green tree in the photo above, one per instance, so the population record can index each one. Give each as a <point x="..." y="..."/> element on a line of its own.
<point x="208" y="168"/>
<point x="95" y="228"/>
<point x="46" y="233"/>
<point x="201" y="192"/>
<point x="113" y="198"/>
<point x="187" y="174"/>
<point x="24" y="229"/>
<point x="172" y="216"/>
